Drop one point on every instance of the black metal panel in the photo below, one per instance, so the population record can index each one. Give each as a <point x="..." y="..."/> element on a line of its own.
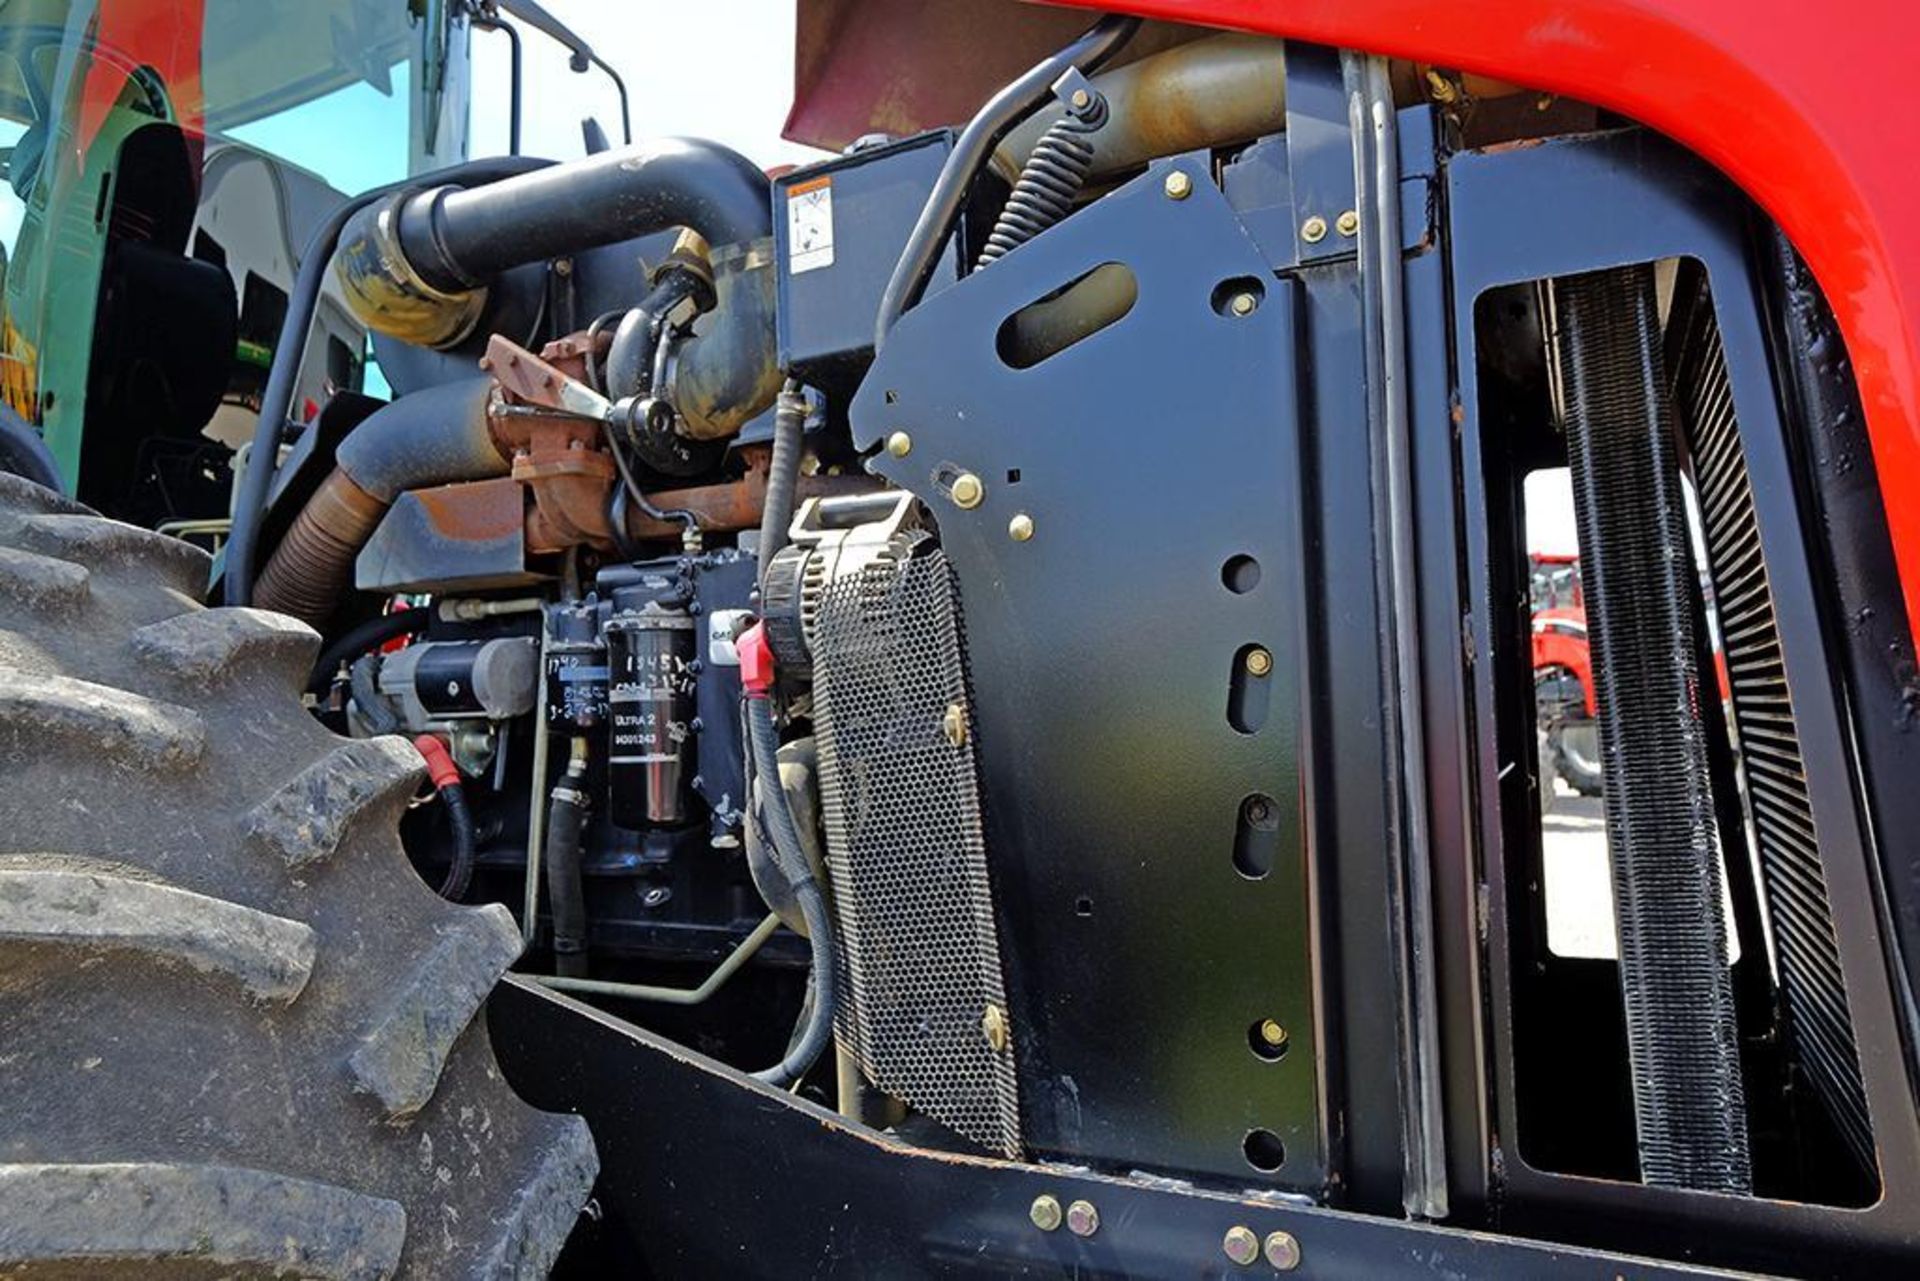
<point x="1109" y="654"/>
<point x="706" y="1173"/>
<point x="1588" y="203"/>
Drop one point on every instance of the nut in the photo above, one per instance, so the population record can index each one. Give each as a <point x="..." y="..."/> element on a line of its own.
<point x="1082" y="1219"/>
<point x="1080" y="99"/>
<point x="1272" y="1033"/>
<point x="1020" y="528"/>
<point x="1178" y="185"/>
<point x="1283" y="1252"/>
<point x="1314" y="230"/>
<point x="1243" y="304"/>
<point x="1259" y="661"/>
<point x="993" y="1024"/>
<point x="1347" y="223"/>
<point x="899" y="444"/>
<point x="966" y="491"/>
<point x="1240" y="1244"/>
<point x="1045" y="1212"/>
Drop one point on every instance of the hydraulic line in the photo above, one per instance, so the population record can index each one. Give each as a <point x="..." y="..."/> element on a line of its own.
<point x="565" y="890"/>
<point x="783" y="471"/>
<point x="737" y="958"/>
<point x="446" y="781"/>
<point x="971" y="153"/>
<point x="784" y="836"/>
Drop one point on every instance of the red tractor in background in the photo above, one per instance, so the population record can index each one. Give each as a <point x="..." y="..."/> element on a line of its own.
<point x="1563" y="677"/>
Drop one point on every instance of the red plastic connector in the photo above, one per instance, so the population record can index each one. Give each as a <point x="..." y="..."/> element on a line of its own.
<point x="440" y="766"/>
<point x="756" y="660"/>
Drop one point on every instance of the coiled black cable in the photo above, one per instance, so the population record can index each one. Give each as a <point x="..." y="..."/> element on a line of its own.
<point x="1049" y="181"/>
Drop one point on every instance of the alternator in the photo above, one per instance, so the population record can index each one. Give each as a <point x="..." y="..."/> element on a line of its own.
<point x="829" y="538"/>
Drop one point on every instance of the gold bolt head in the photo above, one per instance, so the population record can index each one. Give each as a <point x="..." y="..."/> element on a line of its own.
<point x="993" y="1024"/>
<point x="1045" y="1212"/>
<point x="967" y="492"/>
<point x="1283" y="1252"/>
<point x="953" y="723"/>
<point x="1272" y="1033"/>
<point x="1240" y="1244"/>
<point x="1259" y="661"/>
<point x="1020" y="528"/>
<point x="1243" y="304"/>
<point x="899" y="444"/>
<point x="1347" y="223"/>
<point x="1082" y="1219"/>
<point x="1080" y="99"/>
<point x="1314" y="230"/>
<point x="1178" y="185"/>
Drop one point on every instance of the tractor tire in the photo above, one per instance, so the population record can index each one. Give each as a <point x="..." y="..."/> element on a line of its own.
<point x="1576" y="754"/>
<point x="238" y="1035"/>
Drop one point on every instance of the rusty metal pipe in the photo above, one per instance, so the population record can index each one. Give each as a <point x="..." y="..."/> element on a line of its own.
<point x="433" y="437"/>
<point x="1214" y="91"/>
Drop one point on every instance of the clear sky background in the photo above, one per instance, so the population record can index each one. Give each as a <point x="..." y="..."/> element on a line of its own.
<point x="719" y="69"/>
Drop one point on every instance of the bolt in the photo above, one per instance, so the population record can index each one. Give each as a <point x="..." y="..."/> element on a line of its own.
<point x="1240" y="1244"/>
<point x="1272" y="1033"/>
<point x="1259" y="661"/>
<point x="1243" y="304"/>
<point x="899" y="444"/>
<point x="1314" y="230"/>
<point x="563" y="266"/>
<point x="1258" y="811"/>
<point x="1082" y="1219"/>
<point x="1348" y="223"/>
<point x="1020" y="528"/>
<point x="967" y="492"/>
<point x="1440" y="87"/>
<point x="1178" y="185"/>
<point x="1080" y="99"/>
<point x="1045" y="1212"/>
<point x="1283" y="1252"/>
<point x="954" y="724"/>
<point x="994" y="1025"/>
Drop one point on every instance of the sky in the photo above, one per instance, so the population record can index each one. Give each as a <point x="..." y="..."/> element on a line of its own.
<point x="719" y="69"/>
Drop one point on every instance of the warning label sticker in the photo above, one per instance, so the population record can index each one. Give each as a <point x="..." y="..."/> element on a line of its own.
<point x="810" y="225"/>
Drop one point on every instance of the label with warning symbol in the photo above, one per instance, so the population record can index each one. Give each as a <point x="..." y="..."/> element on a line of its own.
<point x="810" y="225"/>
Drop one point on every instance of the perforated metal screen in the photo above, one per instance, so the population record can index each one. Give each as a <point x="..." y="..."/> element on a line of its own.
<point x="923" y="1005"/>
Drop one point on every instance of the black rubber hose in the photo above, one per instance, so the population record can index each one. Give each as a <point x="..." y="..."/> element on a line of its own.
<point x="783" y="472"/>
<point x="971" y="154"/>
<point x="629" y="369"/>
<point x="791" y="856"/>
<point x="364" y="680"/>
<point x="460" y="819"/>
<point x="459" y="238"/>
<point x="566" y="892"/>
<point x="243" y="541"/>
<point x="369" y="635"/>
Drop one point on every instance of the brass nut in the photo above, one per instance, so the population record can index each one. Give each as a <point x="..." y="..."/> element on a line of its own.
<point x="966" y="491"/>
<point x="1259" y="661"/>
<point x="993" y="1024"/>
<point x="1314" y="230"/>
<point x="1178" y="185"/>
<point x="1045" y="1212"/>
<point x="1020" y="528"/>
<point x="953" y="723"/>
<point x="1080" y="99"/>
<point x="1283" y="1252"/>
<point x="1348" y="223"/>
<point x="1240" y="1244"/>
<point x="1082" y="1219"/>
<point x="899" y="444"/>
<point x="1243" y="304"/>
<point x="1272" y="1033"/>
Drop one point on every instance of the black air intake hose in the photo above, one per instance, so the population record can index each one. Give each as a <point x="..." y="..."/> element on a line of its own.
<point x="1635" y="561"/>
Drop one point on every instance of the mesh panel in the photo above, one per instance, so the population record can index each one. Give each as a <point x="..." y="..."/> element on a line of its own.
<point x="901" y="803"/>
<point x="1782" y="810"/>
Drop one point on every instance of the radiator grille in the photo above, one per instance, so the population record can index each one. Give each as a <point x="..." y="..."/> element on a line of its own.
<point x="1808" y="957"/>
<point x="906" y="850"/>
